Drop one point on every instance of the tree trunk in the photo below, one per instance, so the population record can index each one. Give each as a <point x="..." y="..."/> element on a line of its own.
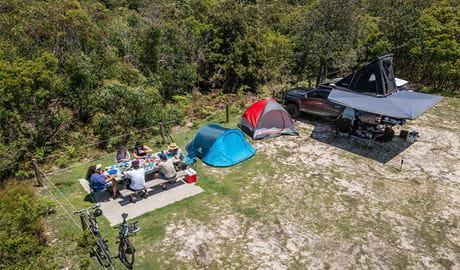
<point x="319" y="77"/>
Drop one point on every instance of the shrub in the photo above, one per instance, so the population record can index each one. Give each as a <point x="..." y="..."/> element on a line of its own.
<point x="23" y="244"/>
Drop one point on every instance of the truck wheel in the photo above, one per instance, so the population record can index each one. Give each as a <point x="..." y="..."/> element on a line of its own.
<point x="293" y="110"/>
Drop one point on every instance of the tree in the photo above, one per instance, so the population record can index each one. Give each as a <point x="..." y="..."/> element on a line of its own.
<point x="122" y="108"/>
<point x="31" y="111"/>
<point x="398" y="20"/>
<point x="149" y="49"/>
<point x="329" y="38"/>
<point x="81" y="79"/>
<point x="439" y="50"/>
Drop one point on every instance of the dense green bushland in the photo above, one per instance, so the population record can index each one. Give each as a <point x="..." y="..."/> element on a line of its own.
<point x="23" y="244"/>
<point x="77" y="71"/>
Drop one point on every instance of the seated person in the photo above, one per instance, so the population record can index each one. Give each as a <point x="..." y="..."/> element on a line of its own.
<point x="141" y="150"/>
<point x="91" y="170"/>
<point x="347" y="121"/>
<point x="175" y="152"/>
<point x="136" y="176"/>
<point x="122" y="155"/>
<point x="178" y="158"/>
<point x="350" y="114"/>
<point x="101" y="182"/>
<point x="165" y="167"/>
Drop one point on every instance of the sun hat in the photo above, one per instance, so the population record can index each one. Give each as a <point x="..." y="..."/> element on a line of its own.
<point x="98" y="166"/>
<point x="172" y="146"/>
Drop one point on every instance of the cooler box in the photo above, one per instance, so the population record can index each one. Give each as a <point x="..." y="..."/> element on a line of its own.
<point x="191" y="176"/>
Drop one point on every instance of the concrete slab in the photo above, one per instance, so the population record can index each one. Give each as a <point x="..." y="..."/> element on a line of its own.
<point x="113" y="209"/>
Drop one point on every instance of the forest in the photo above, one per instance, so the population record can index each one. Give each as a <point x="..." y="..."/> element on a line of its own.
<point x="73" y="72"/>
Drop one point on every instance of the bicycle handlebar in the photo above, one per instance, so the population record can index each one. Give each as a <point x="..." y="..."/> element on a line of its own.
<point x="86" y="209"/>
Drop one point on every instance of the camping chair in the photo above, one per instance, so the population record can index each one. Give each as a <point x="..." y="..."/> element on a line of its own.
<point x="89" y="172"/>
<point x="96" y="196"/>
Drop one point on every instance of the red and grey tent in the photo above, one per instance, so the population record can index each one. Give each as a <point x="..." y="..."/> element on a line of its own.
<point x="267" y="119"/>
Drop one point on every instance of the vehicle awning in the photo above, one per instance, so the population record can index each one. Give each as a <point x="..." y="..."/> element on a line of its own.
<point x="401" y="105"/>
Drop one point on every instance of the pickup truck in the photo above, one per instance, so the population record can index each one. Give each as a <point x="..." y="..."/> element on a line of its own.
<point x="312" y="101"/>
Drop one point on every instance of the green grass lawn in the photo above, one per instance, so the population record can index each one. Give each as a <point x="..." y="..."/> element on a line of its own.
<point x="152" y="224"/>
<point x="303" y="203"/>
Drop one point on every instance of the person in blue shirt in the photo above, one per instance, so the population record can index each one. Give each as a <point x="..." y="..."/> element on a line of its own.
<point x="101" y="182"/>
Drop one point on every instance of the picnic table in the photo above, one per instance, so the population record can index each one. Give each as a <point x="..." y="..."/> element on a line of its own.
<point x="148" y="163"/>
<point x="150" y="168"/>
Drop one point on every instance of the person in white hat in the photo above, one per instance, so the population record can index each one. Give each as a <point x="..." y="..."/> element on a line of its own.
<point x="175" y="151"/>
<point x="101" y="182"/>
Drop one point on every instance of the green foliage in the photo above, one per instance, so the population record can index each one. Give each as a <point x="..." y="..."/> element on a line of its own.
<point x="85" y="243"/>
<point x="79" y="70"/>
<point x="81" y="81"/>
<point x="329" y="38"/>
<point x="30" y="115"/>
<point x="440" y="47"/>
<point x="122" y="109"/>
<point x="375" y="43"/>
<point x="22" y="240"/>
<point x="149" y="45"/>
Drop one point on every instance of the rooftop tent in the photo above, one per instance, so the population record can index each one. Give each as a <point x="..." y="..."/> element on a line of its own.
<point x="267" y="119"/>
<point x="375" y="78"/>
<point x="219" y="147"/>
<point x="401" y="105"/>
<point x="400" y="82"/>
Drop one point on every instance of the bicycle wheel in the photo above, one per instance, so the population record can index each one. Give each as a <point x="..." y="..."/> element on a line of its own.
<point x="126" y="253"/>
<point x="102" y="253"/>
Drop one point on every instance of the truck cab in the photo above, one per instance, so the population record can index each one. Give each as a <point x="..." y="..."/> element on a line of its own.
<point x="312" y="101"/>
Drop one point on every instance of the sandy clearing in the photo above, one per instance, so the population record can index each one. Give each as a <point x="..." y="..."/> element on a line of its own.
<point x="339" y="207"/>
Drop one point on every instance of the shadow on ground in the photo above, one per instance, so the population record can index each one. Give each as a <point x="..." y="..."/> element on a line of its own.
<point x="381" y="152"/>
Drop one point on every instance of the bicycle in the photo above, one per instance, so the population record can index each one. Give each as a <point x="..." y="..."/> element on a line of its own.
<point x="125" y="248"/>
<point x="100" y="248"/>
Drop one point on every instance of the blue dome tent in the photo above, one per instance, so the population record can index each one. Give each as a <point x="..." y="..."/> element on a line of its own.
<point x="219" y="147"/>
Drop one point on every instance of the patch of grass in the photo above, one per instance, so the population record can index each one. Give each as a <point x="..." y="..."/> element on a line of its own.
<point x="400" y="261"/>
<point x="153" y="230"/>
<point x="250" y="212"/>
<point x="224" y="188"/>
<point x="153" y="224"/>
<point x="285" y="153"/>
<point x="296" y="265"/>
<point x="446" y="263"/>
<point x="432" y="234"/>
